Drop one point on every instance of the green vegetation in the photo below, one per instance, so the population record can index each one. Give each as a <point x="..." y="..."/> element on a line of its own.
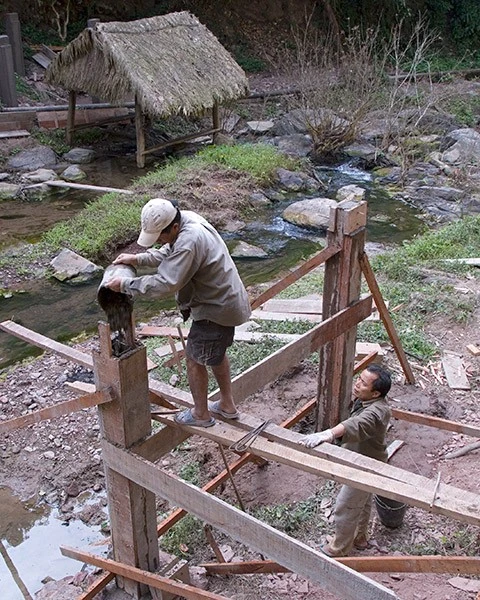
<point x="191" y="472"/>
<point x="184" y="538"/>
<point x="113" y="219"/>
<point x="55" y="138"/>
<point x="24" y="89"/>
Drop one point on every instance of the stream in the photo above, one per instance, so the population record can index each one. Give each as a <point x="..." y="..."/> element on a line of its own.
<point x="61" y="311"/>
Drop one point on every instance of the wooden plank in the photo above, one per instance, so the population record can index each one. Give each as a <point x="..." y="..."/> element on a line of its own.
<point x="96" y="587"/>
<point x="314" y="565"/>
<point x="290" y="355"/>
<point x="146" y="577"/>
<point x="295" y="275"/>
<point x="306" y="304"/>
<point x="465" y="508"/>
<point x="166" y="349"/>
<point x="366" y="564"/>
<point x="83" y="186"/>
<point x="41" y="59"/>
<point x="386" y="318"/>
<point x="265" y="315"/>
<point x="473" y="349"/>
<point x="14" y="134"/>
<point x="455" y="371"/>
<point x="394" y="447"/>
<point x="36" y="339"/>
<point x="429" y="421"/>
<point x="58" y="410"/>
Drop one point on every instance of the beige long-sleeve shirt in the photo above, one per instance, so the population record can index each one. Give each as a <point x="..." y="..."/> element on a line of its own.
<point x="199" y="270"/>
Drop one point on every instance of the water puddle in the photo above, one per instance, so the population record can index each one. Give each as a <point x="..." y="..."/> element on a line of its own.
<point x="29" y="545"/>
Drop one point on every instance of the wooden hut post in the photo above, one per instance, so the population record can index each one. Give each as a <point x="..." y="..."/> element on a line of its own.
<point x="341" y="287"/>
<point x="125" y="421"/>
<point x="72" y="99"/>
<point x="13" y="30"/>
<point x="216" y="121"/>
<point x="140" y="132"/>
<point x="8" y="90"/>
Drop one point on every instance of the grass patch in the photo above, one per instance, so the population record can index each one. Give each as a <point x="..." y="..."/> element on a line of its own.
<point x="55" y="138"/>
<point x="184" y="538"/>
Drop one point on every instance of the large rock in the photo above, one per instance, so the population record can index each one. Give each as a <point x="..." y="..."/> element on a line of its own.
<point x="244" y="250"/>
<point x="73" y="173"/>
<point x="313" y="213"/>
<point x="79" y="155"/>
<point x="351" y="192"/>
<point x="463" y="147"/>
<point x="69" y="265"/>
<point x="296" y="144"/>
<point x="36" y="158"/>
<point x="8" y="191"/>
<point x="302" y="120"/>
<point x="40" y="176"/>
<point x="259" y="127"/>
<point x="294" y="181"/>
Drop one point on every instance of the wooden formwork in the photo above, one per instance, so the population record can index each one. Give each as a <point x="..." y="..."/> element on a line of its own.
<point x="130" y="450"/>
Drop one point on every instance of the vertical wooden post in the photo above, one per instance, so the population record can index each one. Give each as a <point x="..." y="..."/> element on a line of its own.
<point x="125" y="421"/>
<point x="72" y="99"/>
<point x="8" y="90"/>
<point x="341" y="287"/>
<point x="140" y="131"/>
<point x="14" y="33"/>
<point x="216" y="121"/>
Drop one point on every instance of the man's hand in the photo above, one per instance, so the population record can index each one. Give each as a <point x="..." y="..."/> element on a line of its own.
<point x="115" y="284"/>
<point x="126" y="259"/>
<point x="314" y="439"/>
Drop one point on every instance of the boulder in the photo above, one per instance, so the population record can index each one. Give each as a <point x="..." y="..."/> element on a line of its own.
<point x="313" y="213"/>
<point x="462" y="147"/>
<point x="36" y="158"/>
<point x="295" y="144"/>
<point x="259" y="127"/>
<point x="244" y="250"/>
<point x="8" y="191"/>
<point x="40" y="176"/>
<point x="304" y="120"/>
<point x="73" y="173"/>
<point x="350" y="192"/>
<point x="79" y="155"/>
<point x="68" y="265"/>
<point x="293" y="181"/>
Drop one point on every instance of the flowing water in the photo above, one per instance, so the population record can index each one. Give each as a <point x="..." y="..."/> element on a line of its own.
<point x="61" y="311"/>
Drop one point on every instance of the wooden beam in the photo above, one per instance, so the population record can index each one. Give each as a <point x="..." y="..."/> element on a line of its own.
<point x="366" y="564"/>
<point x="83" y="186"/>
<point x="413" y="417"/>
<point x="386" y="318"/>
<point x="464" y="507"/>
<point x="304" y="268"/>
<point x="314" y="565"/>
<point x="36" y="339"/>
<point x="290" y="355"/>
<point x="63" y="408"/>
<point x="72" y="96"/>
<point x="180" y="140"/>
<point x="140" y="133"/>
<point x="146" y="577"/>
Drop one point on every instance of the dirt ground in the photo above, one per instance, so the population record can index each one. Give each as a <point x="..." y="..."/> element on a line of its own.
<point x="55" y="461"/>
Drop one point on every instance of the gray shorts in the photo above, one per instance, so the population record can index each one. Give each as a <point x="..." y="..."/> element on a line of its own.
<point x="207" y="342"/>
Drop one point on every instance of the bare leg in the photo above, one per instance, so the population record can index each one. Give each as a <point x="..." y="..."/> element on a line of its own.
<point x="198" y="382"/>
<point x="224" y="380"/>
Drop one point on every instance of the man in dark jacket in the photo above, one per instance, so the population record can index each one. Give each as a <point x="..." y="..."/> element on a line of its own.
<point x="363" y="432"/>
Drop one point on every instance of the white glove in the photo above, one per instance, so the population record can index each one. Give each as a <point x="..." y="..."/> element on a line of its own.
<point x="314" y="439"/>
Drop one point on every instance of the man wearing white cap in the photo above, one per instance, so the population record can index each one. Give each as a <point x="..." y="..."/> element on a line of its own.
<point x="195" y="265"/>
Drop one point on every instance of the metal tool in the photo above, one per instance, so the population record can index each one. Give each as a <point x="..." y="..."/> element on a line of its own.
<point x="246" y="441"/>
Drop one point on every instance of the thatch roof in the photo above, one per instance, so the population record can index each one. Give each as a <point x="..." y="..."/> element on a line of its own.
<point x="172" y="63"/>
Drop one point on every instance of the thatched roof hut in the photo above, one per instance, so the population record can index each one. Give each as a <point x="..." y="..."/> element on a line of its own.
<point x="172" y="64"/>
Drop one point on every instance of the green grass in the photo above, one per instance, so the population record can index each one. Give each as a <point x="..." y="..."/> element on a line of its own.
<point x="55" y="138"/>
<point x="184" y="538"/>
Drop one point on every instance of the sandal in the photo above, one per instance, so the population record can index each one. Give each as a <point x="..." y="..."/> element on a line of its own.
<point x="186" y="418"/>
<point x="214" y="407"/>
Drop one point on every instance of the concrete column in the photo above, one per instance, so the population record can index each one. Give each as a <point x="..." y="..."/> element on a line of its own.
<point x="8" y="91"/>
<point x="13" y="31"/>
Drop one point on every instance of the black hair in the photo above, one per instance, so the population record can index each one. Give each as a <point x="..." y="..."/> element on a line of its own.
<point x="383" y="382"/>
<point x="176" y="219"/>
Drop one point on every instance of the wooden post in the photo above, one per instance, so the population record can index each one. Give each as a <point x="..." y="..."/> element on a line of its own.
<point x="8" y="91"/>
<point x="13" y="31"/>
<point x="72" y="98"/>
<point x="140" y="131"/>
<point x="341" y="287"/>
<point x="123" y="422"/>
<point x="216" y="121"/>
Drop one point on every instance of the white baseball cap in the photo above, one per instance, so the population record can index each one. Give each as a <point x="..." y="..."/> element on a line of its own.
<point x="156" y="215"/>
